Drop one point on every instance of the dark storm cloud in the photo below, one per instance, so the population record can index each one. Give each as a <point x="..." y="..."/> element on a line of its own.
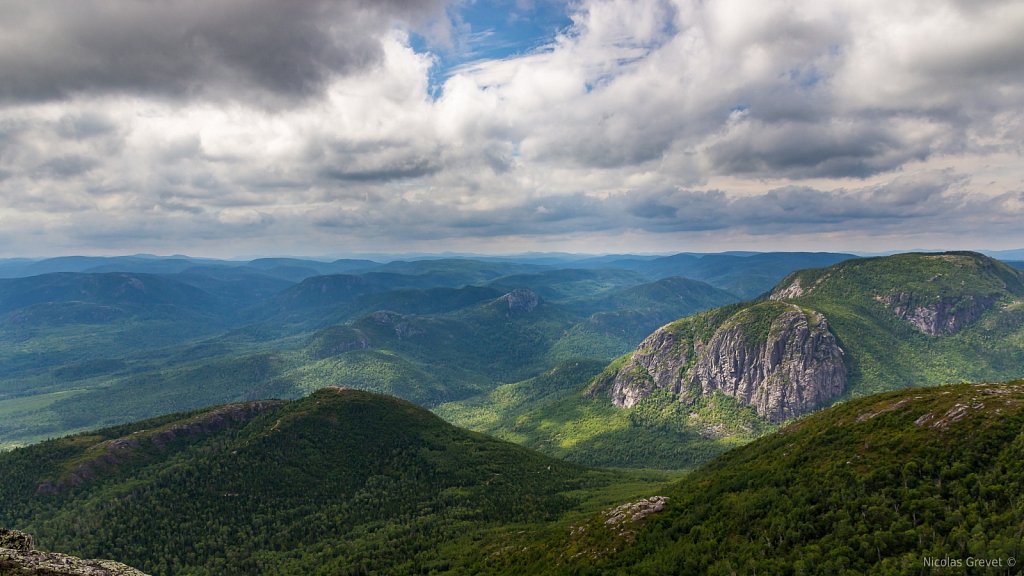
<point x="85" y="126"/>
<point x="809" y="150"/>
<point x="240" y="49"/>
<point x="932" y="199"/>
<point x="414" y="168"/>
<point x="65" y="167"/>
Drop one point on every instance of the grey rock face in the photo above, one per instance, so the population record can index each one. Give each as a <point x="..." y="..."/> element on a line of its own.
<point x="942" y="317"/>
<point x="521" y="300"/>
<point x="793" y="290"/>
<point x="797" y="369"/>
<point x="657" y="363"/>
<point x="17" y="556"/>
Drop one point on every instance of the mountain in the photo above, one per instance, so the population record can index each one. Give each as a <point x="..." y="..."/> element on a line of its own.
<point x="919" y="319"/>
<point x="907" y="482"/>
<point x="431" y="331"/>
<point x="240" y="287"/>
<point x="452" y="355"/>
<point x="854" y="328"/>
<point x="776" y="357"/>
<point x="429" y="345"/>
<point x="341" y="481"/>
<point x="63" y="319"/>
<point x="458" y="271"/>
<point x="752" y="275"/>
<point x="1017" y="254"/>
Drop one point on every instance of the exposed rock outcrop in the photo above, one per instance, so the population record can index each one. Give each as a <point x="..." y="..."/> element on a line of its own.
<point x="942" y="316"/>
<point x="623" y="520"/>
<point x="797" y="369"/>
<point x="404" y="329"/>
<point x="633" y="512"/>
<point x="19" y="557"/>
<point x="520" y="300"/>
<point x="778" y="358"/>
<point x="657" y="363"/>
<point x="788" y="291"/>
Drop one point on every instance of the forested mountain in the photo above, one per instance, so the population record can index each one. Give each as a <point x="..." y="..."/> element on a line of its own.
<point x="82" y="350"/>
<point x="857" y="327"/>
<point x="339" y="482"/>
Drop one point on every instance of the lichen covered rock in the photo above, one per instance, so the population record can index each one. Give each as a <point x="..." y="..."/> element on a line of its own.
<point x="18" y="557"/>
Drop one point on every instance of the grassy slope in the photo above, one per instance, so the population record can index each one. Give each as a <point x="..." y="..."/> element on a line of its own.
<point x="337" y="482"/>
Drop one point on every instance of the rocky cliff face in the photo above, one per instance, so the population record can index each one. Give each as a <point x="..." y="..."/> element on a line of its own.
<point x="943" y="316"/>
<point x="781" y="360"/>
<point x="18" y="556"/>
<point x="657" y="363"/>
<point x="520" y="301"/>
<point x="797" y="369"/>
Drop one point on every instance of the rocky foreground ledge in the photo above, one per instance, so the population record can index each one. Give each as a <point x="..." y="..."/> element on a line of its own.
<point x="18" y="557"/>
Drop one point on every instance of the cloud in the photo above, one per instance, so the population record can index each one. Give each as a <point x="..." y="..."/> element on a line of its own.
<point x="258" y="126"/>
<point x="249" y="50"/>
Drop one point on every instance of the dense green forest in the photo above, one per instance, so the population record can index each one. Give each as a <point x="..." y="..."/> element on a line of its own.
<point x="340" y="482"/>
<point x="877" y="485"/>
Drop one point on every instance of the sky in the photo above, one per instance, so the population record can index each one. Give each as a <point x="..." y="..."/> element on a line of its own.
<point x="327" y="127"/>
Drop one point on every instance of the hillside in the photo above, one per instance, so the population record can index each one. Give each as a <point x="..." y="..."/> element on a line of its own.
<point x="919" y="319"/>
<point x="341" y="481"/>
<point x="117" y="289"/>
<point x="552" y="413"/>
<point x="877" y="485"/>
